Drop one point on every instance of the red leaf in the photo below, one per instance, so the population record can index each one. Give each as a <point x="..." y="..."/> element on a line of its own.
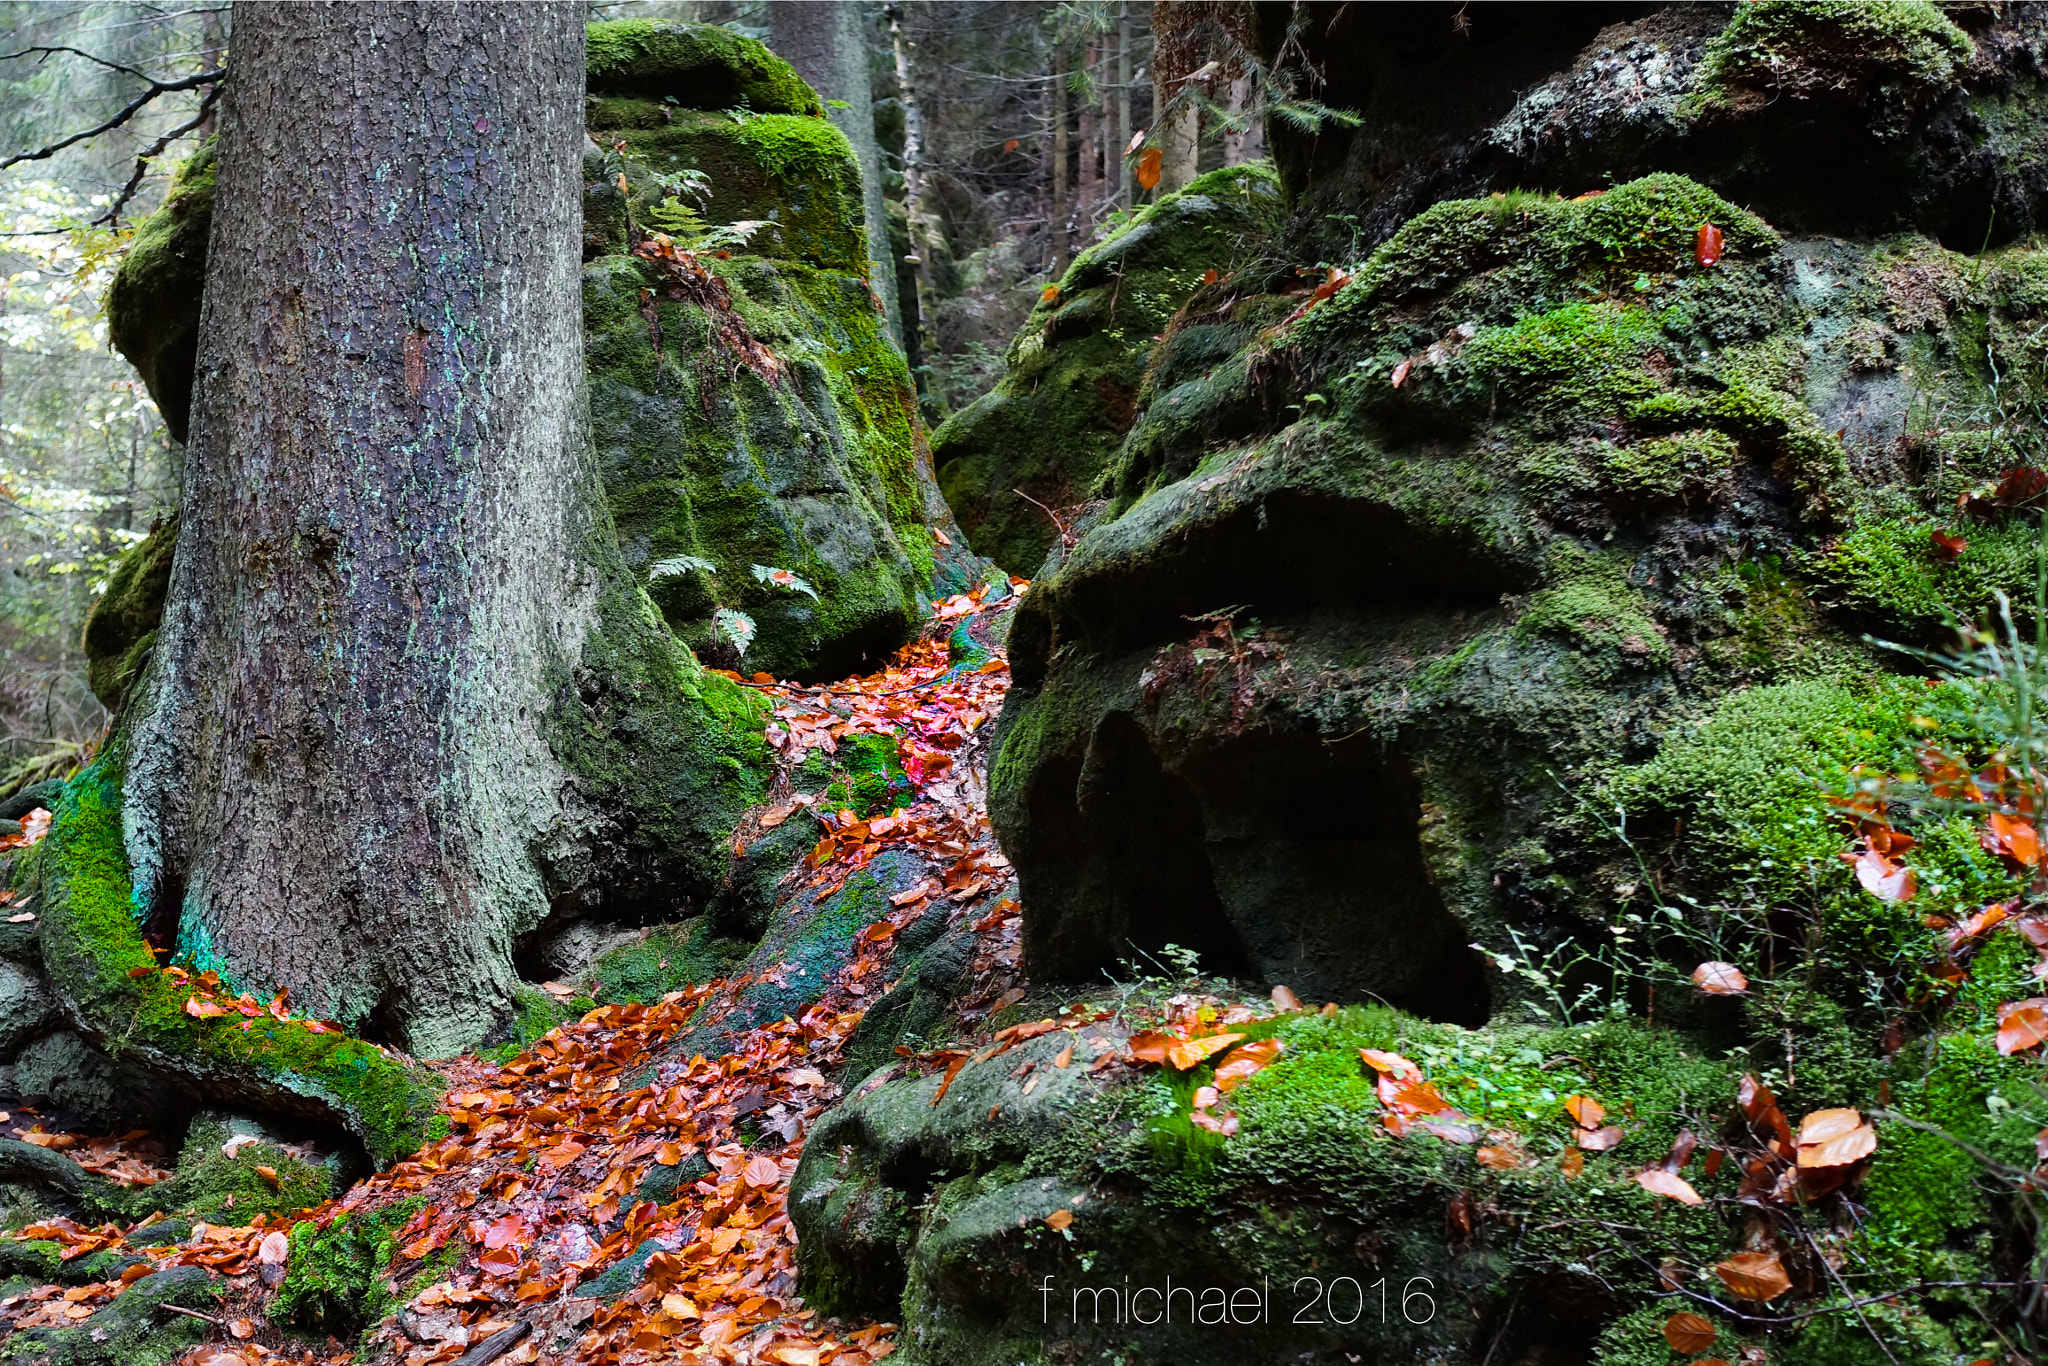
<point x="1241" y="1064"/>
<point x="1708" y="244"/>
<point x="761" y="1171"/>
<point x="1946" y="547"/>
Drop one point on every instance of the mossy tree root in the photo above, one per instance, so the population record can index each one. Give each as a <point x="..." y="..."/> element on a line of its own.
<point x="105" y="975"/>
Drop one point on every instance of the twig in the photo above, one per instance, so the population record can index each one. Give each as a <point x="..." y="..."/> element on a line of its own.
<point x="150" y="153"/>
<point x="129" y="111"/>
<point x="76" y="52"/>
<point x="496" y="1345"/>
<point x="1066" y="536"/>
<point x="191" y="1314"/>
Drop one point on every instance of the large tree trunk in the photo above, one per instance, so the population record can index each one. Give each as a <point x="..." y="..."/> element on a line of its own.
<point x="827" y="42"/>
<point x="393" y="542"/>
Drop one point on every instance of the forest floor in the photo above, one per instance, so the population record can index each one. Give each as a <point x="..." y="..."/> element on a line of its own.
<point x="519" y="1236"/>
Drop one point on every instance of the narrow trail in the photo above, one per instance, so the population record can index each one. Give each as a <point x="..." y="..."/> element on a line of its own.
<point x="578" y="1211"/>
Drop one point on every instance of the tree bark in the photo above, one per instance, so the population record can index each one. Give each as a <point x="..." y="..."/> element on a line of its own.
<point x="914" y="207"/>
<point x="1124" y="132"/>
<point x="393" y="539"/>
<point x="1090" y="178"/>
<point x="826" y="41"/>
<point x="1062" y="239"/>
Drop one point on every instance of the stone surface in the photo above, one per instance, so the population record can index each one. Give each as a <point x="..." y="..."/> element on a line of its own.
<point x="26" y="1008"/>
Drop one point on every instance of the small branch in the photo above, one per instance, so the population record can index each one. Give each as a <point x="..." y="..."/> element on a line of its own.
<point x="129" y="111"/>
<point x="76" y="52"/>
<point x="1066" y="536"/>
<point x="192" y="1314"/>
<point x="150" y="153"/>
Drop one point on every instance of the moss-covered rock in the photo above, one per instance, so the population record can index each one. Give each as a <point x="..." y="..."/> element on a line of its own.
<point x="693" y="66"/>
<point x="335" y="1278"/>
<point x="1075" y="373"/>
<point x="153" y="302"/>
<point x="121" y="627"/>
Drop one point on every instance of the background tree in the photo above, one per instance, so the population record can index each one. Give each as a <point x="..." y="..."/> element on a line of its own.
<point x="827" y="42"/>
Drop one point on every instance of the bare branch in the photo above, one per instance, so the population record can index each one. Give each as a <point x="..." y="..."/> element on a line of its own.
<point x="150" y="153"/>
<point x="133" y="107"/>
<point x="46" y="51"/>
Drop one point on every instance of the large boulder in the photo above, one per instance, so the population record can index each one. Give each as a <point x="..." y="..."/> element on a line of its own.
<point x="1035" y="447"/>
<point x="1484" y="639"/>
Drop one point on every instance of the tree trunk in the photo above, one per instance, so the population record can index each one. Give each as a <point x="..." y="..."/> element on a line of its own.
<point x="827" y="42"/>
<point x="1062" y="240"/>
<point x="1090" y="187"/>
<point x="913" y="180"/>
<point x="1124" y="132"/>
<point x="393" y="542"/>
<point x="1249" y="142"/>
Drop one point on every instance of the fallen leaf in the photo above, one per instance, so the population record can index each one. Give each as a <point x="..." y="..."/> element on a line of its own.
<point x="761" y="1171"/>
<point x="1758" y="1276"/>
<point x="1708" y="244"/>
<point x="1945" y="546"/>
<point x="1010" y="146"/>
<point x="1657" y="1181"/>
<point x="1241" y="1064"/>
<point x="241" y="1329"/>
<point x="1688" y="1333"/>
<point x="1720" y="979"/>
<point x="1500" y="1156"/>
<point x="1390" y="1064"/>
<point x="1059" y="1219"/>
<point x="1285" y="999"/>
<point x="274" y="1248"/>
<point x="2022" y="1025"/>
<point x="1185" y="1054"/>
<point x="1573" y="1163"/>
<point x="1585" y="1111"/>
<point x="1600" y="1140"/>
<point x="1883" y="877"/>
<point x="1400" y="375"/>
<point x="2012" y="837"/>
<point x="1048" y="294"/>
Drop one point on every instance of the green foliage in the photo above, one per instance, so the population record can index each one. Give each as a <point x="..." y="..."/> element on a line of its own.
<point x="700" y="66"/>
<point x="870" y="779"/>
<point x="1807" y="45"/>
<point x="334" y="1279"/>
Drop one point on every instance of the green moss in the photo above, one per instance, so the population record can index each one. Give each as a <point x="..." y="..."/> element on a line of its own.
<point x="1886" y="564"/>
<point x="1805" y="46"/>
<point x="153" y="300"/>
<point x="1587" y="357"/>
<point x="1668" y="467"/>
<point x="92" y="940"/>
<point x="214" y="1188"/>
<point x="869" y="778"/>
<point x="335" y="1280"/>
<point x="662" y="959"/>
<point x="121" y="627"/>
<point x="1592" y="604"/>
<point x="697" y="66"/>
<point x="1806" y="456"/>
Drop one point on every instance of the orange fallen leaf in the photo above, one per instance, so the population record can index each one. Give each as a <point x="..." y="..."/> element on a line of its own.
<point x="1059" y="1219"/>
<point x="1150" y="1046"/>
<point x="1657" y="1181"/>
<point x="761" y="1171"/>
<point x="1390" y="1064"/>
<point x="1585" y="1111"/>
<point x="1048" y="294"/>
<point x="1720" y="979"/>
<point x="669" y="1154"/>
<point x="1500" y="1156"/>
<point x="1285" y="999"/>
<point x="2012" y="837"/>
<point x="1601" y="1140"/>
<point x="1185" y="1054"/>
<point x="1573" y="1163"/>
<point x="1758" y="1276"/>
<point x="1688" y="1333"/>
<point x="2022" y="1025"/>
<point x="1241" y="1064"/>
